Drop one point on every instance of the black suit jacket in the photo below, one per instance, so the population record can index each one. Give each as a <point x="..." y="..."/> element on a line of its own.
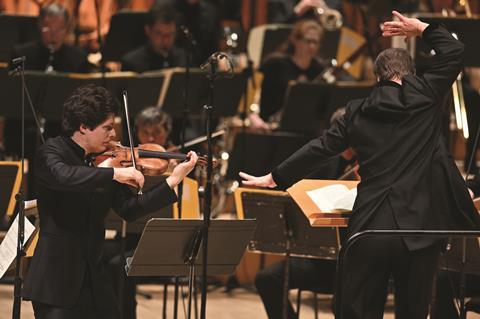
<point x="65" y="59"/>
<point x="73" y="200"/>
<point x="404" y="163"/>
<point x="145" y="59"/>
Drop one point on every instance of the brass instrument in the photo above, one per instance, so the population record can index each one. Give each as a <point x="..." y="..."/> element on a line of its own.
<point x="330" y="19"/>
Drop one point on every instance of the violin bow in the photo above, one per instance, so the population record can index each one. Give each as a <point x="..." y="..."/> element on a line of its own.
<point x="130" y="138"/>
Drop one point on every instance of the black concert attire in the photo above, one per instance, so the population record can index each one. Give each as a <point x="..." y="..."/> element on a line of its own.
<point x="409" y="181"/>
<point x="66" y="278"/>
<point x="278" y="70"/>
<point x="65" y="59"/>
<point x="145" y="59"/>
<point x="304" y="273"/>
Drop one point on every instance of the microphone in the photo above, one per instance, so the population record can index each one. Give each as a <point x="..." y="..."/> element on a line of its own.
<point x="213" y="64"/>
<point x="189" y="36"/>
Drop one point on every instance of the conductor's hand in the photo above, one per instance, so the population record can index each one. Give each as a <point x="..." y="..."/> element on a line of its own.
<point x="182" y="170"/>
<point x="129" y="176"/>
<point x="409" y="27"/>
<point x="260" y="181"/>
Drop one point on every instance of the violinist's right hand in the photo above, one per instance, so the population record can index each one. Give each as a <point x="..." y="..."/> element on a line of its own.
<point x="129" y="176"/>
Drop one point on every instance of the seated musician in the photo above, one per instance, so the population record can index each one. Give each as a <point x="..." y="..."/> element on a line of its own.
<point x="297" y="61"/>
<point x="152" y="126"/>
<point x="51" y="53"/>
<point x="304" y="273"/>
<point x="66" y="278"/>
<point x="160" y="52"/>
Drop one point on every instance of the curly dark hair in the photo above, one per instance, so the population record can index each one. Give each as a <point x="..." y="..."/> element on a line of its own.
<point x="90" y="105"/>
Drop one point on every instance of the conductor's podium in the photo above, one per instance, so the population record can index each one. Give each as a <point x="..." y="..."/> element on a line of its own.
<point x="290" y="223"/>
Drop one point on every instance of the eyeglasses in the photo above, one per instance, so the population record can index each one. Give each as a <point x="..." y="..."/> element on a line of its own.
<point x="53" y="31"/>
<point x="313" y="41"/>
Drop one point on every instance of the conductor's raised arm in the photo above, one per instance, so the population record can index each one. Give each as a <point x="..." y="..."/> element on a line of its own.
<point x="447" y="63"/>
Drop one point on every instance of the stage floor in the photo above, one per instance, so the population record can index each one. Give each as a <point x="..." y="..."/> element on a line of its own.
<point x="238" y="304"/>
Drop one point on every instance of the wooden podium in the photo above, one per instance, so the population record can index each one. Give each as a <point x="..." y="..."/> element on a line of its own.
<point x="315" y="216"/>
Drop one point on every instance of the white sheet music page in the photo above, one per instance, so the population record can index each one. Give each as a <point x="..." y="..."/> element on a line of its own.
<point x="8" y="247"/>
<point x="336" y="197"/>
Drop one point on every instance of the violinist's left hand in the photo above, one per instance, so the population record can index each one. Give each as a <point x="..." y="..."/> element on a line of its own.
<point x="182" y="170"/>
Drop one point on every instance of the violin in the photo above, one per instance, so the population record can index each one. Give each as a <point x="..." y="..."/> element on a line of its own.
<point x="150" y="159"/>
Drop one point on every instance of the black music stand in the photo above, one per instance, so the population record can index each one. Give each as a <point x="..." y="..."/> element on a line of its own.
<point x="466" y="29"/>
<point x="165" y="243"/>
<point x="452" y="259"/>
<point x="227" y="93"/>
<point x="284" y="229"/>
<point x="50" y="90"/>
<point x="126" y="33"/>
<point x="276" y="213"/>
<point x="14" y="30"/>
<point x="270" y="149"/>
<point x="308" y="106"/>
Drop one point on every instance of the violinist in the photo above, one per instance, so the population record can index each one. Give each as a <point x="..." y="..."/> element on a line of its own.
<point x="66" y="278"/>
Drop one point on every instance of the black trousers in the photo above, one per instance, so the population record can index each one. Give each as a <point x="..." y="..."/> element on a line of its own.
<point x="85" y="308"/>
<point x="373" y="261"/>
<point x="305" y="273"/>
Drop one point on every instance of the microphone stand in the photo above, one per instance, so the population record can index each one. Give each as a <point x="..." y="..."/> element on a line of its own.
<point x="213" y="74"/>
<point x="208" y="187"/>
<point x="20" y="196"/>
<point x="190" y="46"/>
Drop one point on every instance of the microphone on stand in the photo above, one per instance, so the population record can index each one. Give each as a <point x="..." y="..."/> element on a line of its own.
<point x="213" y="64"/>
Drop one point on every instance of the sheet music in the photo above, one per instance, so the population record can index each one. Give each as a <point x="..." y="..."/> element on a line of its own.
<point x="333" y="197"/>
<point x="8" y="247"/>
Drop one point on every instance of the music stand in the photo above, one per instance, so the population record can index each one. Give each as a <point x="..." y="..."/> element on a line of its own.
<point x="164" y="245"/>
<point x="227" y="93"/>
<point x="10" y="177"/>
<point x="14" y="30"/>
<point x="308" y="106"/>
<point x="126" y="33"/>
<point x="467" y="30"/>
<point x="283" y="228"/>
<point x="270" y="149"/>
<point x="273" y="210"/>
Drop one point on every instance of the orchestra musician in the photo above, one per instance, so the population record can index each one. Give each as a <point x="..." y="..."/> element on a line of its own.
<point x="297" y="61"/>
<point x="66" y="278"/>
<point x="51" y="53"/>
<point x="160" y="52"/>
<point x="409" y="181"/>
